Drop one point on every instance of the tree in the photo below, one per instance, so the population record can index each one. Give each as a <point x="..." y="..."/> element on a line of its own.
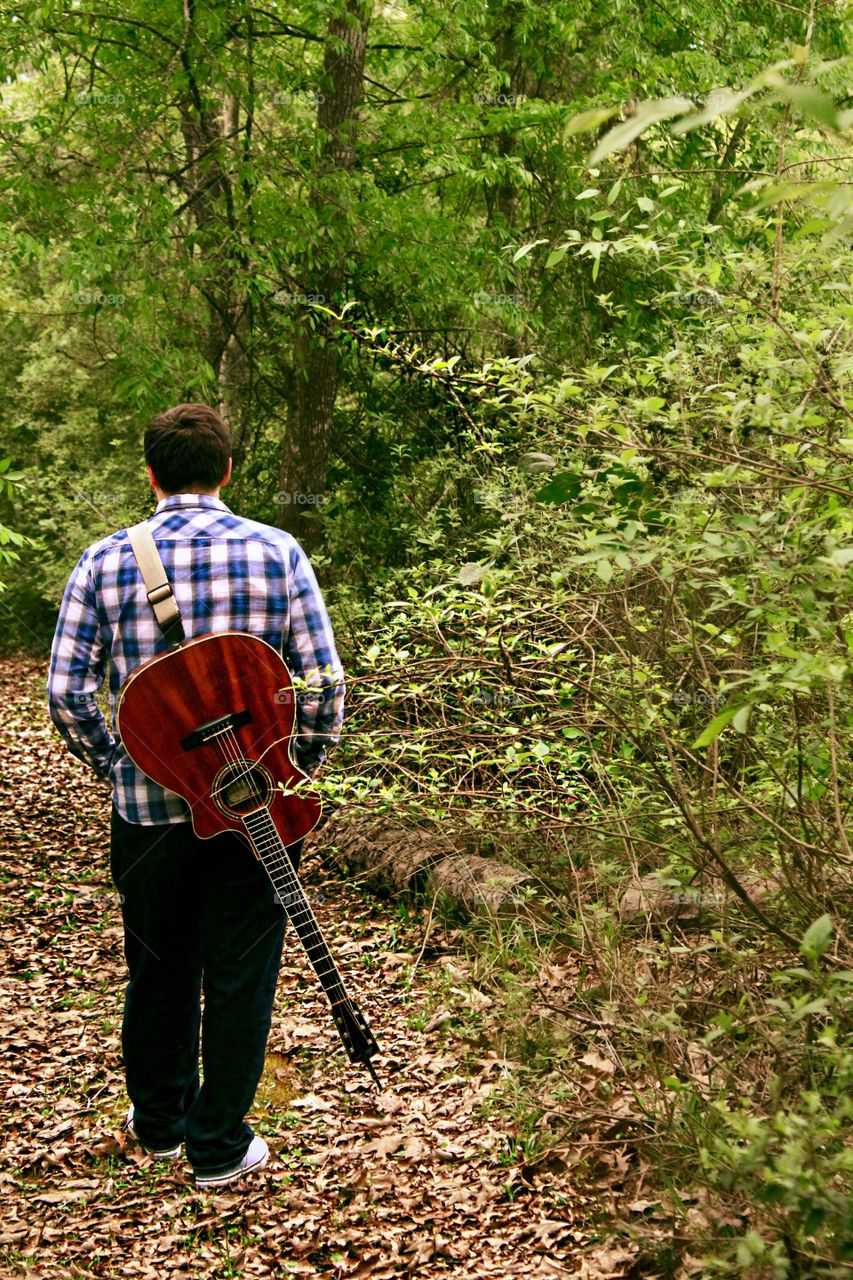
<point x="316" y="358"/>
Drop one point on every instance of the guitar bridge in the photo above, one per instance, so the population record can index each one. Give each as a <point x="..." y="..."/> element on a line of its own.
<point x="215" y="728"/>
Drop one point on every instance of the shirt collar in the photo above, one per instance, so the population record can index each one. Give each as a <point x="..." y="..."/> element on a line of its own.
<point x="175" y="501"/>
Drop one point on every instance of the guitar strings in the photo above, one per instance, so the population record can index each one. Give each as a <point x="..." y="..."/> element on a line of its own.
<point x="276" y="855"/>
<point x="230" y="748"/>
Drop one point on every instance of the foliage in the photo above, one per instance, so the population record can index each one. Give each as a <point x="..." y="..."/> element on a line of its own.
<point x="9" y="538"/>
<point x="586" y="523"/>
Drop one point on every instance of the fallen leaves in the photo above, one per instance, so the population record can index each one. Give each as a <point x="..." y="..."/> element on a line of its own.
<point x="410" y="1180"/>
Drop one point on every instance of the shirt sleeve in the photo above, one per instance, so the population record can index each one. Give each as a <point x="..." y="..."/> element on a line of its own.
<point x="77" y="669"/>
<point x="310" y="653"/>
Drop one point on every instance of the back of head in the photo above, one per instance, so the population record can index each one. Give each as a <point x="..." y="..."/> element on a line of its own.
<point x="188" y="449"/>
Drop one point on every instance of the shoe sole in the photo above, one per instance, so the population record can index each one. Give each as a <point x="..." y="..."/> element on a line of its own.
<point x="174" y="1153"/>
<point x="224" y="1180"/>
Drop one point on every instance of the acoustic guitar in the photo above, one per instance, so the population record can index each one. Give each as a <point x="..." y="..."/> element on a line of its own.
<point x="213" y="720"/>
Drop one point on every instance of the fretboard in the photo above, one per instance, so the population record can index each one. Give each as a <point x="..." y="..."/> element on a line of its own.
<point x="270" y="848"/>
<point x="352" y="1026"/>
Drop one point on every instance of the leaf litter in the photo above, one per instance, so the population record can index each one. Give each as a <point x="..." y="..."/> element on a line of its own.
<point x="412" y="1179"/>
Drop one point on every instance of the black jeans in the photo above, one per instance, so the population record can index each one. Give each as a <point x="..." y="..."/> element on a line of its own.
<point x="199" y="915"/>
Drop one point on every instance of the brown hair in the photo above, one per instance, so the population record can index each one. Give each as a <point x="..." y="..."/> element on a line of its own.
<point x="188" y="448"/>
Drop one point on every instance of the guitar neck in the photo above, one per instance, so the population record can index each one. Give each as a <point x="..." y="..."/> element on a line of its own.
<point x="270" y="848"/>
<point x="352" y="1026"/>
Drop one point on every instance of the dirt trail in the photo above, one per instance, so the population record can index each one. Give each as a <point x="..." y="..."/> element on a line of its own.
<point x="414" y="1180"/>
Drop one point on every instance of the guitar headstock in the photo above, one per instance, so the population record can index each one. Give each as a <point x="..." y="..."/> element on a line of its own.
<point x="358" y="1039"/>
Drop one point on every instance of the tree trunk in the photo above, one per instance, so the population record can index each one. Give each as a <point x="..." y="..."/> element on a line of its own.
<point x="210" y="207"/>
<point x="722" y="178"/>
<point x="305" y="448"/>
<point x="510" y="57"/>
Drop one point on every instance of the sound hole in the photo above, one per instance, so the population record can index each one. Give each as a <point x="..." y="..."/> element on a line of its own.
<point x="241" y="787"/>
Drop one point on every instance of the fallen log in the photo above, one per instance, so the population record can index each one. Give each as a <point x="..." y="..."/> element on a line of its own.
<point x="652" y="902"/>
<point x="397" y="859"/>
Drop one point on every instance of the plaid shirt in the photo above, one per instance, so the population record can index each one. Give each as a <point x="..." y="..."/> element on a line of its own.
<point x="228" y="574"/>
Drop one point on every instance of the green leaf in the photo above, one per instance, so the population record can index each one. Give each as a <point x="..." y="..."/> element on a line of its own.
<point x="614" y="191"/>
<point x="716" y="727"/>
<point x="563" y="488"/>
<point x="740" y="721"/>
<point x="813" y="1006"/>
<point x="776" y="192"/>
<point x="623" y="493"/>
<point x="720" y="102"/>
<point x="817" y="937"/>
<point x="647" y="113"/>
<point x="841" y="557"/>
<point x="811" y="102"/>
<point x="587" y="120"/>
<point x="525" y="249"/>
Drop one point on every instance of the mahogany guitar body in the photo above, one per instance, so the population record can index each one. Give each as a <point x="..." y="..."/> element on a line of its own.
<point x="213" y="721"/>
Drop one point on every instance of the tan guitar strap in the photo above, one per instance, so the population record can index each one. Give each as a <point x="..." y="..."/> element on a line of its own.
<point x="157" y="585"/>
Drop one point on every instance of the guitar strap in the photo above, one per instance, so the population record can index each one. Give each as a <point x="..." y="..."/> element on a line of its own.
<point x="157" y="585"/>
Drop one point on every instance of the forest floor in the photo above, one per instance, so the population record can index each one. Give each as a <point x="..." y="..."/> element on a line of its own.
<point x="420" y="1178"/>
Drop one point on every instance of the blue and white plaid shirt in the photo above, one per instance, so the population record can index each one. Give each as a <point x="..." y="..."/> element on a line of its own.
<point x="228" y="574"/>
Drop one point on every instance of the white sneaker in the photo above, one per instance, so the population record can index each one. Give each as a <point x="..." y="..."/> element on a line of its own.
<point x="173" y="1153"/>
<point x="256" y="1157"/>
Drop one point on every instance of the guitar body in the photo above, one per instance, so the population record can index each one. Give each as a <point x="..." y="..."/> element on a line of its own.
<point x="171" y="697"/>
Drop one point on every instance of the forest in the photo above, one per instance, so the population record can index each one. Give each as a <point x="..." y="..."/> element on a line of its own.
<point x="531" y="323"/>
